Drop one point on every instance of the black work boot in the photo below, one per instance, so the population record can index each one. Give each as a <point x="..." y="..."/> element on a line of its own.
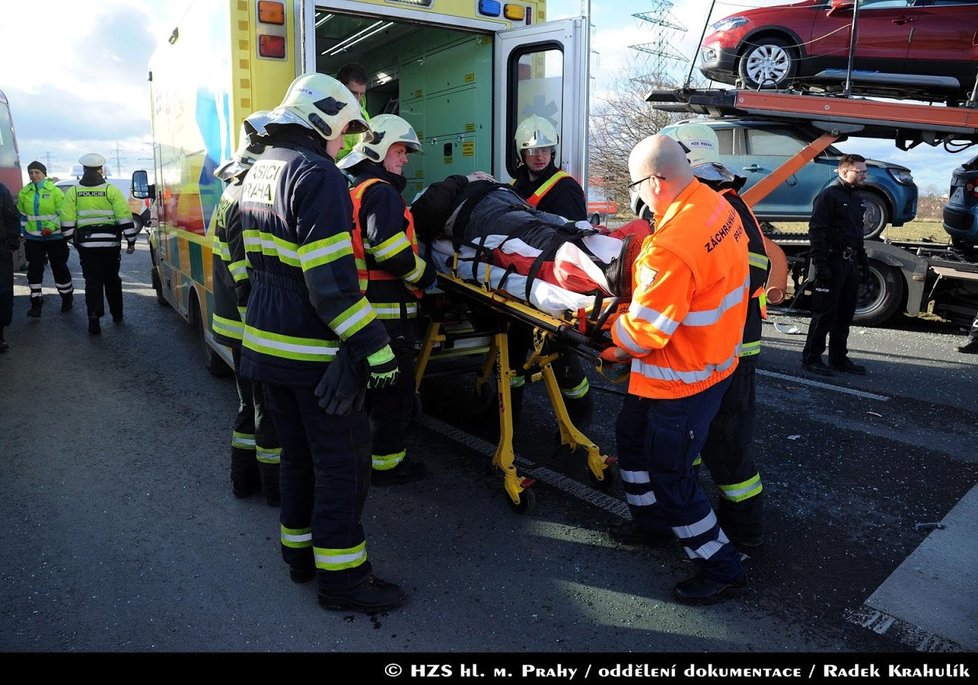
<point x="370" y="594"/>
<point x="67" y="302"/>
<point x="35" y="310"/>
<point x="702" y="590"/>
<point x="631" y="533"/>
<point x="94" y="327"/>
<point x="971" y="347"/>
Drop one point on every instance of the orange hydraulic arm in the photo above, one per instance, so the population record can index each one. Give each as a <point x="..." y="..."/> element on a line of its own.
<point x="762" y="188"/>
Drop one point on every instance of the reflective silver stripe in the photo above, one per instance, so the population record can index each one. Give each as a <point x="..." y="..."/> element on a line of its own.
<point x="635" y="476"/>
<point x="758" y="260"/>
<point x="393" y="311"/>
<point x="626" y="341"/>
<point x="708" y="317"/>
<point x="416" y="272"/>
<point x="322" y="252"/>
<point x="344" y="560"/>
<point x="644" y="500"/>
<point x="43" y="217"/>
<point x="708" y="549"/>
<point x="353" y="321"/>
<point x="698" y="528"/>
<point x="255" y="336"/>
<point x="662" y="322"/>
<point x="302" y="537"/>
<point x="664" y="373"/>
<point x="383" y="252"/>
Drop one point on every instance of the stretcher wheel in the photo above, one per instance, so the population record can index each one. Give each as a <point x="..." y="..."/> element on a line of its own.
<point x="528" y="500"/>
<point x="610" y="479"/>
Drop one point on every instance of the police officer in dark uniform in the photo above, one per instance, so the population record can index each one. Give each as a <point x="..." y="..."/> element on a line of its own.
<point x="307" y="321"/>
<point x="549" y="189"/>
<point x="839" y="259"/>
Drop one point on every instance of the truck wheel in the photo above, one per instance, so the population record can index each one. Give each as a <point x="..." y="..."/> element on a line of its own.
<point x="880" y="297"/>
<point x="212" y="360"/>
<point x="875" y="213"/>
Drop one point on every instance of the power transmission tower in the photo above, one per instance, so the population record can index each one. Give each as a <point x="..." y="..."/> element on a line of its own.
<point x="661" y="56"/>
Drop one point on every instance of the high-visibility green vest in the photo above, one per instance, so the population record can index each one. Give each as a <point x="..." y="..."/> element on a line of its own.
<point x="42" y="207"/>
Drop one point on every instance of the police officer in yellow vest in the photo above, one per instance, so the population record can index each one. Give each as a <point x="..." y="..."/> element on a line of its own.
<point x="96" y="215"/>
<point x="549" y="189"/>
<point x="40" y="202"/>
<point x="386" y="251"/>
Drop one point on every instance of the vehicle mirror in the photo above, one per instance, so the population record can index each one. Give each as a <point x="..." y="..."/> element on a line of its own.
<point x="839" y="7"/>
<point x="141" y="189"/>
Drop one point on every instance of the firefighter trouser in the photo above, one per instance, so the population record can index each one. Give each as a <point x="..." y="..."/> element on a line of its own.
<point x="324" y="474"/>
<point x="657" y="442"/>
<point x="255" y="452"/>
<point x="390" y="410"/>
<point x="56" y="252"/>
<point x="727" y="454"/>
<point x="832" y="314"/>
<point x="100" y="266"/>
<point x="571" y="379"/>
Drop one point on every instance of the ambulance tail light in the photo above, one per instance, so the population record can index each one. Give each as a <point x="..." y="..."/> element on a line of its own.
<point x="270" y="29"/>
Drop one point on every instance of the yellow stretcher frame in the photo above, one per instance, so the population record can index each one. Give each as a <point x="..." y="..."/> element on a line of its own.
<point x="545" y="326"/>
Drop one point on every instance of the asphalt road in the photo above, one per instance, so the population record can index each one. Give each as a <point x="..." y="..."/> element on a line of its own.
<point x="121" y="533"/>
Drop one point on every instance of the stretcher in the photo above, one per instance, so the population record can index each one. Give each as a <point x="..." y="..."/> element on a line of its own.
<point x="578" y="323"/>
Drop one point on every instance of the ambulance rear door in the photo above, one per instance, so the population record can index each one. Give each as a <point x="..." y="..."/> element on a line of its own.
<point x="542" y="69"/>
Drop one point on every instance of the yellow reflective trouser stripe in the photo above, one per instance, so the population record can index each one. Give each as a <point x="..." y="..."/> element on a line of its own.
<point x="340" y="559"/>
<point x="698" y="461"/>
<point x="749" y="349"/>
<point x="738" y="492"/>
<point x="296" y="538"/>
<point x="229" y="328"/>
<point x="243" y="441"/>
<point x="385" y="462"/>
<point x="354" y="319"/>
<point x="268" y="455"/>
<point x="577" y="392"/>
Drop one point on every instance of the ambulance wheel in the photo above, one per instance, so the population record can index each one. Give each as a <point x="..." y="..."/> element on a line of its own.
<point x="528" y="500"/>
<point x="212" y="360"/>
<point x="609" y="482"/>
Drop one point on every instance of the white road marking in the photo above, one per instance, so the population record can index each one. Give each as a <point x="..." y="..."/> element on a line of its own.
<point x="529" y="468"/>
<point x="824" y="386"/>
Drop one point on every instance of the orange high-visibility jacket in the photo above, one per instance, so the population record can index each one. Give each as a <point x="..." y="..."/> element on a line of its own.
<point x="691" y="287"/>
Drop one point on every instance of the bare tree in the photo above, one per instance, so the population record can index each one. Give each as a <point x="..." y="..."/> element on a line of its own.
<point x="620" y="118"/>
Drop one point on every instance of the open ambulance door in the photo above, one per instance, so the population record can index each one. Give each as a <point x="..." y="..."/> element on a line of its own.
<point x="542" y="70"/>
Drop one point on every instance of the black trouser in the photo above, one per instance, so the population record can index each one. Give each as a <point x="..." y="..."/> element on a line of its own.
<point x="324" y="474"/>
<point x="56" y="252"/>
<point x="390" y="410"/>
<point x="832" y="313"/>
<point x="727" y="454"/>
<point x="100" y="266"/>
<point x="567" y="368"/>
<point x="254" y="441"/>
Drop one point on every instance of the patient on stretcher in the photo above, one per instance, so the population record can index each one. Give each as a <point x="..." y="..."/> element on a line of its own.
<point x="489" y="223"/>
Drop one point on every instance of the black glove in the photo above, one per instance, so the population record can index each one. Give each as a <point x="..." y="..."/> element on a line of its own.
<point x="863" y="272"/>
<point x="344" y="385"/>
<point x="823" y="277"/>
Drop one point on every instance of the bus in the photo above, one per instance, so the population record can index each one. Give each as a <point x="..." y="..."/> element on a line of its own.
<point x="463" y="73"/>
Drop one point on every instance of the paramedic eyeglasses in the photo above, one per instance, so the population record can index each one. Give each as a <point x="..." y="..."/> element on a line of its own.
<point x="634" y="186"/>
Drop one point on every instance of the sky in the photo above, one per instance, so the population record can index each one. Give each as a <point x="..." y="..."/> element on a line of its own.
<point x="75" y="74"/>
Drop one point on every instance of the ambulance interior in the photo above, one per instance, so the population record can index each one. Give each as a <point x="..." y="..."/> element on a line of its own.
<point x="441" y="81"/>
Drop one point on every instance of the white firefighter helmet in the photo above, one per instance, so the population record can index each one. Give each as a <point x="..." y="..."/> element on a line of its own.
<point x="322" y="104"/>
<point x="387" y="129"/>
<point x="702" y="148"/>
<point x="535" y="132"/>
<point x="249" y="147"/>
<point x="93" y="160"/>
